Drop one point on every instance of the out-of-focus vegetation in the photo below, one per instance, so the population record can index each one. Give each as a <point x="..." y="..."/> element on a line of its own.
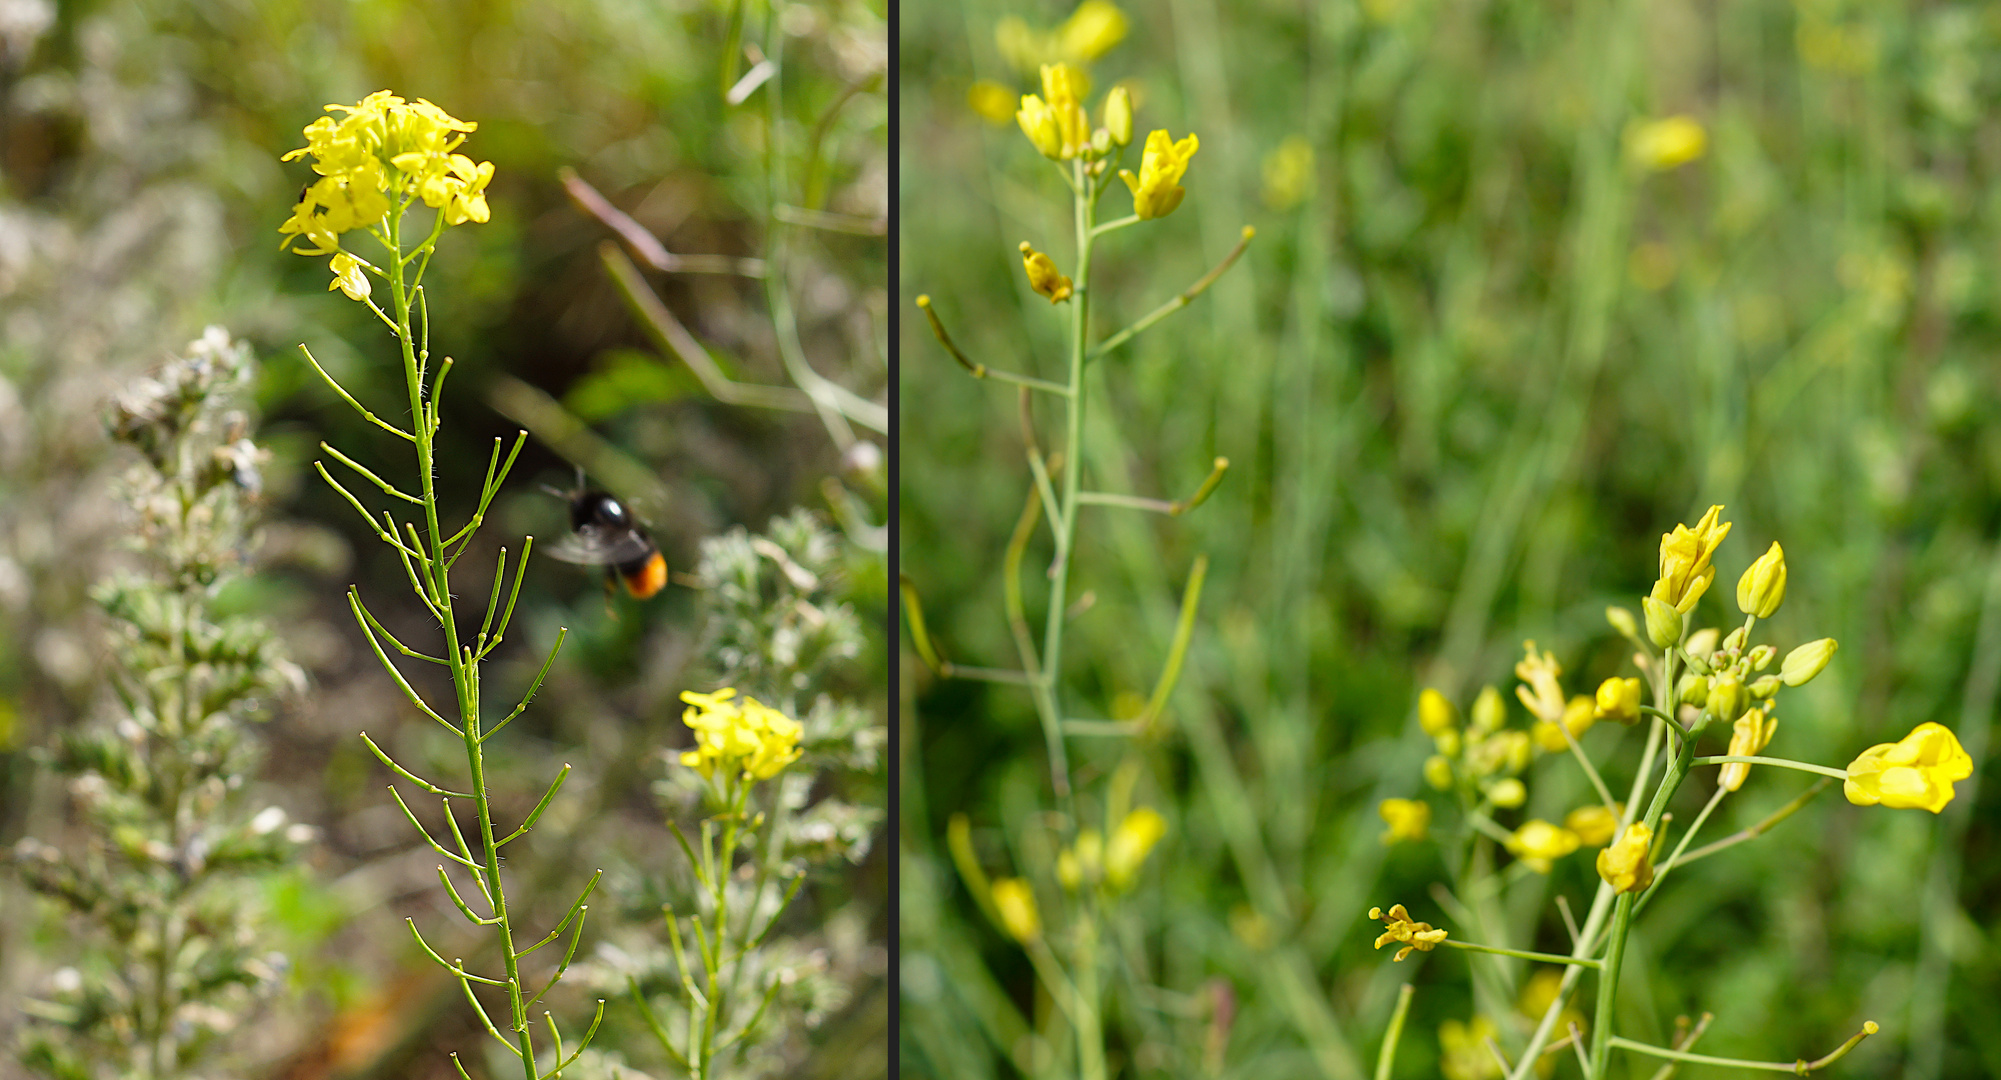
<point x="140" y="197"/>
<point x="1495" y="336"/>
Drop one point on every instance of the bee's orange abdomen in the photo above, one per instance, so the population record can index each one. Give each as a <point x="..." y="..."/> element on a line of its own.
<point x="650" y="578"/>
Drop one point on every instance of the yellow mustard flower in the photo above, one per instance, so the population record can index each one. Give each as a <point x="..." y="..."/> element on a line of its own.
<point x="1015" y="902"/>
<point x="1668" y="143"/>
<point x="993" y="102"/>
<point x="1435" y="713"/>
<point x="1595" y="825"/>
<point x="1752" y="732"/>
<point x="1402" y="928"/>
<point x="1407" y="819"/>
<point x="1916" y="772"/>
<point x="1065" y="88"/>
<point x="1578" y="716"/>
<point x="349" y="276"/>
<point x="384" y="150"/>
<point x="1628" y="865"/>
<point x="1763" y="587"/>
<point x="1685" y="568"/>
<point x="1619" y="699"/>
<point x="1462" y="1050"/>
<point x="1157" y="189"/>
<point x="746" y="737"/>
<point x="1541" y="692"/>
<point x="1043" y="276"/>
<point x="1127" y="850"/>
<point x="1539" y="844"/>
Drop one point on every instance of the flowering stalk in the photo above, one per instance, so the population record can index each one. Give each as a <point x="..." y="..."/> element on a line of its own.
<point x="375" y="165"/>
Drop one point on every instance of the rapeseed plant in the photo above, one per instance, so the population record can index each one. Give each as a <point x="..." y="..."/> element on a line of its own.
<point x="379" y="160"/>
<point x="1698" y="679"/>
<point x="1062" y="911"/>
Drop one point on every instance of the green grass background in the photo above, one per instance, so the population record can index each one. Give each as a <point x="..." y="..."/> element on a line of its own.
<point x="1458" y="418"/>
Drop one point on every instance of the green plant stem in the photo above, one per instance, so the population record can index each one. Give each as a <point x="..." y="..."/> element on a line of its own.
<point x="1386" y="1058"/>
<point x="1783" y="763"/>
<point x="1522" y="954"/>
<point x="465" y="671"/>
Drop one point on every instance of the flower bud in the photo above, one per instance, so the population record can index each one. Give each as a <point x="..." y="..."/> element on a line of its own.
<point x="1119" y="115"/>
<point x="1508" y="793"/>
<point x="1763" y="587"/>
<point x="1727" y="696"/>
<point x="1622" y="621"/>
<point x="1692" y="689"/>
<point x="1619" y="699"/>
<point x="1131" y="842"/>
<point x="1015" y="903"/>
<point x="1761" y="657"/>
<point x="1438" y="772"/>
<point x="1803" y="663"/>
<point x="1447" y="742"/>
<point x="1489" y="711"/>
<point x="1663" y="622"/>
<point x="1435" y="713"/>
<point x="1043" y="276"/>
<point x="1039" y="122"/>
<point x="1595" y="825"/>
<point x="1697" y="663"/>
<point x="1764" y="686"/>
<point x="1628" y="865"/>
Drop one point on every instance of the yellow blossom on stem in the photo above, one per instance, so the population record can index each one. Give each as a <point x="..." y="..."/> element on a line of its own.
<point x="1752" y="732"/>
<point x="1129" y="845"/>
<point x="1578" y="716"/>
<point x="382" y="153"/>
<point x="744" y="737"/>
<point x="1538" y="843"/>
<point x="1685" y="568"/>
<point x="350" y="277"/>
<point x="1916" y="772"/>
<point x="1628" y="865"/>
<point x="1157" y="189"/>
<point x="1541" y="693"/>
<point x="1043" y="276"/>
<point x="1407" y="819"/>
<point x="1402" y="928"/>
<point x="1038" y="122"/>
<point x="1595" y="825"/>
<point x="1015" y="902"/>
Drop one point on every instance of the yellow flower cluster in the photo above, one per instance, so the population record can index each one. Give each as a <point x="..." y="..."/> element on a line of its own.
<point x="1483" y="754"/>
<point x="1056" y="122"/>
<point x="735" y="737"/>
<point x="384" y="152"/>
<point x="1916" y="772"/>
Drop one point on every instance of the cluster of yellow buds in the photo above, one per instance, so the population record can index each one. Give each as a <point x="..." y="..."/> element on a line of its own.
<point x="384" y="152"/>
<point x="738" y="737"/>
<point x="1484" y="754"/>
<point x="1092" y="861"/>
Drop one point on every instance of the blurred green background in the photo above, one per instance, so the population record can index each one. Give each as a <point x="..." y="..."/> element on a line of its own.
<point x="1477" y="360"/>
<point x="140" y="196"/>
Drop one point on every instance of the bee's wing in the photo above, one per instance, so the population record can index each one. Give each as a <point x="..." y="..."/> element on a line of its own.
<point x="597" y="546"/>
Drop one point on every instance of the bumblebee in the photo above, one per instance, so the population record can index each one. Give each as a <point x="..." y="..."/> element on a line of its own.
<point x="606" y="535"/>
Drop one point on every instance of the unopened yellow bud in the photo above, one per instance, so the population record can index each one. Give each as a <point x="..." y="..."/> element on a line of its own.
<point x="1595" y="824"/>
<point x="1038" y="122"/>
<point x="1119" y="115"/>
<point x="1043" y="276"/>
<point x="1435" y="713"/>
<point x="1538" y="843"/>
<point x="1763" y="587"/>
<point x="1660" y="145"/>
<point x="1727" y="696"/>
<point x="1622" y="621"/>
<point x="1130" y="843"/>
<point x="1628" y="865"/>
<point x="1663" y="622"/>
<point x="1619" y="699"/>
<point x="1438" y="772"/>
<point x="1448" y="742"/>
<point x="1015" y="902"/>
<point x="1751" y="734"/>
<point x="1508" y="794"/>
<point x="1764" y="686"/>
<point x="1490" y="711"/>
<point x="1407" y="819"/>
<point x="1803" y="663"/>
